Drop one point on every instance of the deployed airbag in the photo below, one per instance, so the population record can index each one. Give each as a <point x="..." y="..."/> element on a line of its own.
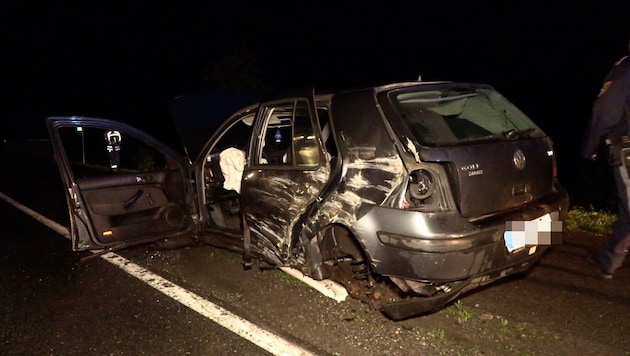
<point x="232" y="162"/>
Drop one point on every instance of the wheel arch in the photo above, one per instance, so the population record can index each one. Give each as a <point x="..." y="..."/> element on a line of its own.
<point x="331" y="242"/>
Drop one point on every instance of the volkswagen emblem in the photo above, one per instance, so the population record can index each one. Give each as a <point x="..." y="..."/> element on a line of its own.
<point x="519" y="159"/>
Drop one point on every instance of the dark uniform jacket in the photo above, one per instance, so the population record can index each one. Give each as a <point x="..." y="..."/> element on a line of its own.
<point x="611" y="109"/>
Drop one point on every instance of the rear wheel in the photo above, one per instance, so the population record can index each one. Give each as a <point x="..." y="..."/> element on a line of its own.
<point x="347" y="265"/>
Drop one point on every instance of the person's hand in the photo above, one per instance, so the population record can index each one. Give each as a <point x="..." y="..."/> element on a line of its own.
<point x="593" y="157"/>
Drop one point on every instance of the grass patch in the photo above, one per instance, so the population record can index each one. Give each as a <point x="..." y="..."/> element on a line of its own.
<point x="504" y="324"/>
<point x="591" y="220"/>
<point x="435" y="335"/>
<point x="460" y="311"/>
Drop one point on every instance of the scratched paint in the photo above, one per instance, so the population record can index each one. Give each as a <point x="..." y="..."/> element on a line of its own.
<point x="284" y="202"/>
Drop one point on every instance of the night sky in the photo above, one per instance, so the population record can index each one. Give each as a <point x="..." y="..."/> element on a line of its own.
<point x="125" y="60"/>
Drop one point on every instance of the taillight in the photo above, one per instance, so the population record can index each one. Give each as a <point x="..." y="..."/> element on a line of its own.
<point x="421" y="184"/>
<point x="427" y="190"/>
<point x="555" y="166"/>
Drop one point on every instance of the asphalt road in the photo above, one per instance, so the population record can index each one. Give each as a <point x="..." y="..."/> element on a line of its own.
<point x="53" y="303"/>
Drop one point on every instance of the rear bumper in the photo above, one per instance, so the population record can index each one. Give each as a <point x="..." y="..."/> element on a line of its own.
<point x="406" y="308"/>
<point x="443" y="247"/>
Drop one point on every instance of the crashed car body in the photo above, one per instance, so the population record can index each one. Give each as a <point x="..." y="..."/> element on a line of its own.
<point x="408" y="194"/>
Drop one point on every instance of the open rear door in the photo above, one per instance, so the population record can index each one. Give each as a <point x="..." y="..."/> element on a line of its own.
<point x="123" y="187"/>
<point x="287" y="172"/>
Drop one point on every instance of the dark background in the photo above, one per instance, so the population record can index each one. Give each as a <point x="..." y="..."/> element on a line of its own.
<point x="126" y="60"/>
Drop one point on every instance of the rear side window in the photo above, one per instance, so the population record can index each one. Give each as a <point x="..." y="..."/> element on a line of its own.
<point x="289" y="138"/>
<point x="455" y="116"/>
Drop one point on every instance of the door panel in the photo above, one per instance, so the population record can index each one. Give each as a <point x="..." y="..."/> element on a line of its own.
<point x="123" y="186"/>
<point x="122" y="211"/>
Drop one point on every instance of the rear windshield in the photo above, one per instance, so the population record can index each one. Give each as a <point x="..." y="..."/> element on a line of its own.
<point x="454" y="116"/>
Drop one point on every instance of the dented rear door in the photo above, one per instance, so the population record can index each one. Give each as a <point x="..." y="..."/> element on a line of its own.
<point x="286" y="173"/>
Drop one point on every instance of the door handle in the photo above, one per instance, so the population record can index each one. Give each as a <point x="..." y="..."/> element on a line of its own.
<point x="129" y="202"/>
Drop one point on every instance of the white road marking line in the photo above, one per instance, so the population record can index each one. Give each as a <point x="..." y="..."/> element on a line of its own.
<point x="58" y="228"/>
<point x="233" y="322"/>
<point x="242" y="327"/>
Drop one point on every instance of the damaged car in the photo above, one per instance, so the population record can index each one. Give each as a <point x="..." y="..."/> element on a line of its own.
<point x="407" y="194"/>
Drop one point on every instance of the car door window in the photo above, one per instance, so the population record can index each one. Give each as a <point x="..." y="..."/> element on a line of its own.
<point x="289" y="136"/>
<point x="95" y="152"/>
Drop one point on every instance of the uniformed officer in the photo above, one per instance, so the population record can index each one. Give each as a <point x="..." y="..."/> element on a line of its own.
<point x="610" y="123"/>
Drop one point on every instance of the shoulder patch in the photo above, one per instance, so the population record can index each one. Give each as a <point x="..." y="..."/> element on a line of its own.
<point x="604" y="88"/>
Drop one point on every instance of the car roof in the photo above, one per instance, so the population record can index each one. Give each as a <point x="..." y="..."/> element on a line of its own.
<point x="326" y="95"/>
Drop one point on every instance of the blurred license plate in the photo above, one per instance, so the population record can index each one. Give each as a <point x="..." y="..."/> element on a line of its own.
<point x="520" y="233"/>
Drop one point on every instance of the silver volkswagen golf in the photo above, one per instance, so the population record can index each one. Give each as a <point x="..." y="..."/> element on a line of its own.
<point x="407" y="194"/>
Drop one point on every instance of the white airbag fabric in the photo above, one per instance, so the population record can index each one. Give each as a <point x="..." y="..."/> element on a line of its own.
<point x="232" y="162"/>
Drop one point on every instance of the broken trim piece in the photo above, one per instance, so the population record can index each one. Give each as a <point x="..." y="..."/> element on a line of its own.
<point x="326" y="287"/>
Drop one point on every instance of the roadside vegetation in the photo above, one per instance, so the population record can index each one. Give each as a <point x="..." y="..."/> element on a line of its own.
<point x="589" y="219"/>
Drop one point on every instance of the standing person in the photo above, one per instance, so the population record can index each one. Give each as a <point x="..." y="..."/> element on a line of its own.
<point x="610" y="124"/>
